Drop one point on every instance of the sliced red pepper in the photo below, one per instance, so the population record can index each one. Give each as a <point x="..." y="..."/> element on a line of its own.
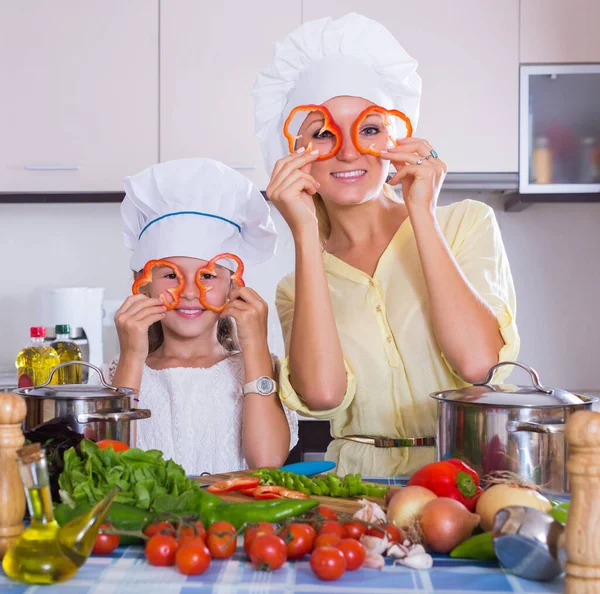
<point x="234" y="484"/>
<point x="249" y="491"/>
<point x="277" y="492"/>
<point x="328" y="126"/>
<point x="146" y="279"/>
<point x="386" y="118"/>
<point x="210" y="269"/>
<point x="450" y="478"/>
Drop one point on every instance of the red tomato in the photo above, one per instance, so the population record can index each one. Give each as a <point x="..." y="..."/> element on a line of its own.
<point x="161" y="527"/>
<point x="326" y="540"/>
<point x="193" y="558"/>
<point x="328" y="563"/>
<point x="200" y="529"/>
<point x="161" y="550"/>
<point x="354" y="530"/>
<point x="268" y="552"/>
<point x="222" y="544"/>
<point x="354" y="552"/>
<point x="327" y="512"/>
<point x="332" y="527"/>
<point x="188" y="534"/>
<point x="392" y="532"/>
<point x="220" y="527"/>
<point x="117" y="446"/>
<point x="105" y="543"/>
<point x="299" y="540"/>
<point x="256" y="530"/>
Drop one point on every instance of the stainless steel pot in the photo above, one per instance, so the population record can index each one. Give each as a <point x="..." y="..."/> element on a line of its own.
<point x="508" y="427"/>
<point x="97" y="412"/>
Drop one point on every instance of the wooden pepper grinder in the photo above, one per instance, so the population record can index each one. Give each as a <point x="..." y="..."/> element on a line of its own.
<point x="12" y="494"/>
<point x="583" y="525"/>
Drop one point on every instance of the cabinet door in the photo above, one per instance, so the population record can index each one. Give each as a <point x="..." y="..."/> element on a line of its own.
<point x="468" y="60"/>
<point x="209" y="62"/>
<point x="557" y="31"/>
<point x="79" y="93"/>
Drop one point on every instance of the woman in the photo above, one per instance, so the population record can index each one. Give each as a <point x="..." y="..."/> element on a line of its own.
<point x="391" y="299"/>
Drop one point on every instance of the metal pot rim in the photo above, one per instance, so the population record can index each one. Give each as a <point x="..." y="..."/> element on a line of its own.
<point x="441" y="397"/>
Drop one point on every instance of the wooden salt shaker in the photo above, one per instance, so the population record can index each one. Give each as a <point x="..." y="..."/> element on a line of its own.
<point x="583" y="525"/>
<point x="12" y="495"/>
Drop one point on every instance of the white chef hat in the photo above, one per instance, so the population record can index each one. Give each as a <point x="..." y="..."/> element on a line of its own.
<point x="351" y="56"/>
<point x="198" y="208"/>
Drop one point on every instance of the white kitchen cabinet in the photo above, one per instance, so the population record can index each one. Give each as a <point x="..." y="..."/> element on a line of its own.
<point x="79" y="93"/>
<point x="209" y="59"/>
<point x="560" y="31"/>
<point x="469" y="62"/>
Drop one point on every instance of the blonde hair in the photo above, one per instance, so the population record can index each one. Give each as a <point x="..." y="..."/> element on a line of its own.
<point x="323" y="216"/>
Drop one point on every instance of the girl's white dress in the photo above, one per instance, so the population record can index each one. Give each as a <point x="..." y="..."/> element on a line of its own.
<point x="197" y="415"/>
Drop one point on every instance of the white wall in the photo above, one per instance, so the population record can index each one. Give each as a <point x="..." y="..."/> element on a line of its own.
<point x="554" y="251"/>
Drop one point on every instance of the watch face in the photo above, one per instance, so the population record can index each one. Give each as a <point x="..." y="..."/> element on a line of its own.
<point x="265" y="385"/>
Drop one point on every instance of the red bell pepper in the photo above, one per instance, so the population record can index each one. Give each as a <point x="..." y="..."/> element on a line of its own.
<point x="237" y="278"/>
<point x="450" y="478"/>
<point x="146" y="279"/>
<point x="234" y="484"/>
<point x="386" y="113"/>
<point x="328" y="126"/>
<point x="276" y="492"/>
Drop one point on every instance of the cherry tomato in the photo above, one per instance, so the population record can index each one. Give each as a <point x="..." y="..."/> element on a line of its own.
<point x="299" y="539"/>
<point x="117" y="446"/>
<point x="200" y="529"/>
<point x="256" y="530"/>
<point x="332" y="527"/>
<point x="188" y="534"/>
<point x="354" y="530"/>
<point x="392" y="532"/>
<point x="326" y="540"/>
<point x="161" y="550"/>
<point x="328" y="563"/>
<point x="161" y="527"/>
<point x="222" y="545"/>
<point x="193" y="558"/>
<point x="327" y="512"/>
<point x="220" y="527"/>
<point x="105" y="543"/>
<point x="268" y="552"/>
<point x="354" y="552"/>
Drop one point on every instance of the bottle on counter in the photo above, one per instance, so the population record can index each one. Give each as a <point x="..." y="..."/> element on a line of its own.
<point x="67" y="351"/>
<point x="588" y="161"/>
<point x="35" y="362"/>
<point x="542" y="161"/>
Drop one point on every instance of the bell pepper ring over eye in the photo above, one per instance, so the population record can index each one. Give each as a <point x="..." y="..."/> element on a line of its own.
<point x="387" y="113"/>
<point x="210" y="269"/>
<point x="328" y="126"/>
<point x="146" y="279"/>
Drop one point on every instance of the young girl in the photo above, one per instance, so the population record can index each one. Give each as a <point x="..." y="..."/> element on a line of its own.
<point x="208" y="378"/>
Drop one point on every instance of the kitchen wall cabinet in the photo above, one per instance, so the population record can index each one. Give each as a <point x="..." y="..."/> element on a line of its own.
<point x="209" y="60"/>
<point x="557" y="31"/>
<point x="79" y="93"/>
<point x="468" y="60"/>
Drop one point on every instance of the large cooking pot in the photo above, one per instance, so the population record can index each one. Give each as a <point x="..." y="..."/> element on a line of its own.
<point x="95" y="411"/>
<point x="507" y="427"/>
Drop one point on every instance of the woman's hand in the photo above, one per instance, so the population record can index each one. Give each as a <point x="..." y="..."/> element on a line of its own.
<point x="250" y="313"/>
<point x="291" y="189"/>
<point x="132" y="321"/>
<point x="421" y="184"/>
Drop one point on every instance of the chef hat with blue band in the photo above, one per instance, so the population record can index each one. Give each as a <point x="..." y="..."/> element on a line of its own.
<point x="197" y="208"/>
<point x="352" y="56"/>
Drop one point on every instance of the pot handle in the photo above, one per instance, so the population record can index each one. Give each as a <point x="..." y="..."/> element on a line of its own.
<point x="84" y="364"/>
<point x="515" y="426"/>
<point x="112" y="417"/>
<point x="535" y="378"/>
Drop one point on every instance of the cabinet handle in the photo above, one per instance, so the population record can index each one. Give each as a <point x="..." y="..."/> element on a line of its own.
<point x="52" y="167"/>
<point x="238" y="167"/>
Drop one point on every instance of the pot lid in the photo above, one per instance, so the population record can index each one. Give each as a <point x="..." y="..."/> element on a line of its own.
<point x="509" y="395"/>
<point x="75" y="391"/>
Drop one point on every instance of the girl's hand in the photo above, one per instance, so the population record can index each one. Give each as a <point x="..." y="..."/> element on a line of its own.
<point x="250" y="313"/>
<point x="291" y="189"/>
<point x="421" y="184"/>
<point x="132" y="321"/>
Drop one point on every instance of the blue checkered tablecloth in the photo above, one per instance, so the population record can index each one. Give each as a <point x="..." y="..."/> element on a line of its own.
<point x="126" y="571"/>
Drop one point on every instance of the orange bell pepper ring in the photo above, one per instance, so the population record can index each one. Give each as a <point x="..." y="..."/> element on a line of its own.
<point x="210" y="269"/>
<point x="371" y="150"/>
<point x="146" y="279"/>
<point x="328" y="126"/>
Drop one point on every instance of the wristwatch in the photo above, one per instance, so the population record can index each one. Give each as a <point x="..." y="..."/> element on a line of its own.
<point x="265" y="386"/>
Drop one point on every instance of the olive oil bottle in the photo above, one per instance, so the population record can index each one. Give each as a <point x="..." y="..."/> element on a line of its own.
<point x="67" y="351"/>
<point x="35" y="362"/>
<point x="47" y="553"/>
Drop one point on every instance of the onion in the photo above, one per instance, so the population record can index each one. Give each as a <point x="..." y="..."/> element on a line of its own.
<point x="391" y="492"/>
<point x="444" y="523"/>
<point x="406" y="504"/>
<point x="503" y="495"/>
